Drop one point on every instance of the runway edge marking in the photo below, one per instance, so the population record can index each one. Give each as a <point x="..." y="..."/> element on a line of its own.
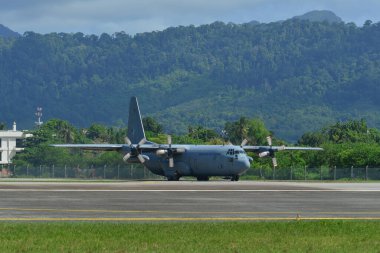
<point x="183" y="212"/>
<point x="193" y="219"/>
<point x="193" y="190"/>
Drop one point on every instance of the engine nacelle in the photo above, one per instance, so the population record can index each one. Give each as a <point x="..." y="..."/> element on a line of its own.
<point x="161" y="152"/>
<point x="264" y="154"/>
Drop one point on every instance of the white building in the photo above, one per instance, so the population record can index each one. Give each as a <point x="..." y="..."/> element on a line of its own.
<point x="8" y="146"/>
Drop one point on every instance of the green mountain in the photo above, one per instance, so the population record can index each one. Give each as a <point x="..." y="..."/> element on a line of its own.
<point x="5" y="32"/>
<point x="296" y="75"/>
<point x="320" y="16"/>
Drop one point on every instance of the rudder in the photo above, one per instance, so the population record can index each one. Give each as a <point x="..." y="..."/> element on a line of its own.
<point x="135" y="127"/>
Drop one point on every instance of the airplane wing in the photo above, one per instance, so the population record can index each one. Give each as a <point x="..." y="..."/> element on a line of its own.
<point x="116" y="147"/>
<point x="98" y="147"/>
<point x="259" y="149"/>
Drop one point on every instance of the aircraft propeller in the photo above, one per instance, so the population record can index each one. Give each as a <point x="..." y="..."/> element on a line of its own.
<point x="134" y="150"/>
<point x="243" y="143"/>
<point x="270" y="152"/>
<point x="170" y="152"/>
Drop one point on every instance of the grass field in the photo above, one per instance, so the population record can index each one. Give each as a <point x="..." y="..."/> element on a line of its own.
<point x="297" y="236"/>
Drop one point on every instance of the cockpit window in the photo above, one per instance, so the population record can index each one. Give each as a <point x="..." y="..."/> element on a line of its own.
<point x="235" y="152"/>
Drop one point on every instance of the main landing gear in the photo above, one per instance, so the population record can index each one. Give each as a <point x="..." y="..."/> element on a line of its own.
<point x="173" y="176"/>
<point x="235" y="178"/>
<point x="203" y="178"/>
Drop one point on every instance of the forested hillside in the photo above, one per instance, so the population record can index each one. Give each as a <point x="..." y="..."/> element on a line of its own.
<point x="295" y="75"/>
<point x="5" y="32"/>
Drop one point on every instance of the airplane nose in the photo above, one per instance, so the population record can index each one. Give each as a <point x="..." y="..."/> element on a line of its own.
<point x="244" y="164"/>
<point x="247" y="163"/>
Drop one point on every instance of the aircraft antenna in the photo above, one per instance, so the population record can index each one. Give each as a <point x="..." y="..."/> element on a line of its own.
<point x="38" y="115"/>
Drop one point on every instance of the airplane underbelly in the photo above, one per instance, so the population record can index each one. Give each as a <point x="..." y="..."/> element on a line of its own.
<point x="210" y="166"/>
<point x="183" y="169"/>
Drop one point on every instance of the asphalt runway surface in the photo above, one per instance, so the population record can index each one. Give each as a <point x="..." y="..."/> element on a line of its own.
<point x="187" y="201"/>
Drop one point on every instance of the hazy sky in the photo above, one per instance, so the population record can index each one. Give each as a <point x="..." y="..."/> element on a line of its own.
<point x="134" y="16"/>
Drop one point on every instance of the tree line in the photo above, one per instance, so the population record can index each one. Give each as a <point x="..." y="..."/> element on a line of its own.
<point x="346" y="144"/>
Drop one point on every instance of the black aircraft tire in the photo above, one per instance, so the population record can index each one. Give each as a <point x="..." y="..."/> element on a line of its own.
<point x="203" y="178"/>
<point x="173" y="178"/>
<point x="235" y="178"/>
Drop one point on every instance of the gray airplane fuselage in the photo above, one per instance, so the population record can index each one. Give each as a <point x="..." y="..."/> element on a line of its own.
<point x="200" y="160"/>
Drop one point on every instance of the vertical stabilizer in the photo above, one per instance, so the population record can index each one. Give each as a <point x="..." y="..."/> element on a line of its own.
<point x="135" y="127"/>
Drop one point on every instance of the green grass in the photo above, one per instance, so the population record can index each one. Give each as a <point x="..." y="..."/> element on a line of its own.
<point x="297" y="236"/>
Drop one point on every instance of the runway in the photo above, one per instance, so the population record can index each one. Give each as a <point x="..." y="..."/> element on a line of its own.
<point x="187" y="201"/>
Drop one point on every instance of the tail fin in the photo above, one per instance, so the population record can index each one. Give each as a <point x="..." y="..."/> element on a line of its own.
<point x="135" y="127"/>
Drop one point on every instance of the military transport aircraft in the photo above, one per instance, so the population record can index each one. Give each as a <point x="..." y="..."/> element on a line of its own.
<point x="174" y="161"/>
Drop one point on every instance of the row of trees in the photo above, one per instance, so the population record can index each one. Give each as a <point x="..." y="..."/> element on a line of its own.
<point x="345" y="144"/>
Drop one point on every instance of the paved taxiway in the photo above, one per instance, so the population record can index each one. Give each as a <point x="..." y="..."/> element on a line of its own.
<point x="187" y="201"/>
